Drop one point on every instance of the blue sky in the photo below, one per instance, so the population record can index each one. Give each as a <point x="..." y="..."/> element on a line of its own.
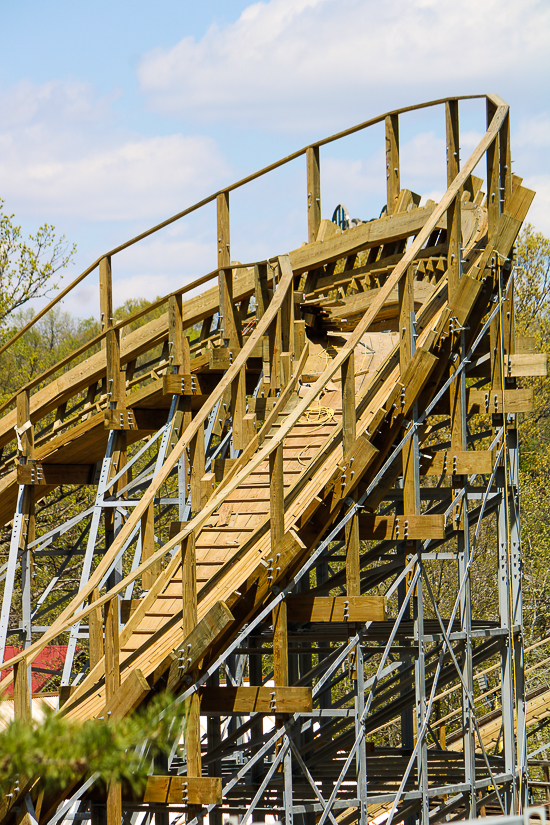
<point x="116" y="115"/>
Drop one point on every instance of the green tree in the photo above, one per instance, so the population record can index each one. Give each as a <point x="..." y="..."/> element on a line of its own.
<point x="27" y="267"/>
<point x="58" y="750"/>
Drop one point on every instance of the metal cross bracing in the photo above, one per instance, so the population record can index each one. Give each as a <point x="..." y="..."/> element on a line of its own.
<point x="273" y="499"/>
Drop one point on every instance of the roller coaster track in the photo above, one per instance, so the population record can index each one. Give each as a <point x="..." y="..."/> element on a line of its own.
<point x="266" y="475"/>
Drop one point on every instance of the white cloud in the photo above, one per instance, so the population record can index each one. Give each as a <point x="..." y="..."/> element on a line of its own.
<point x="61" y="152"/>
<point x="295" y="64"/>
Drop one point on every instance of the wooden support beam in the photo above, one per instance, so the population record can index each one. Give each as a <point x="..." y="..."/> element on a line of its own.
<point x="147" y="527"/>
<point x="21" y="695"/>
<point x="454" y="239"/>
<point x="276" y="496"/>
<point x="304" y="608"/>
<point x="189" y="623"/>
<point x="245" y="700"/>
<point x="238" y="409"/>
<point x="47" y="475"/>
<point x="127" y="698"/>
<point x="493" y="401"/>
<point x="411" y="527"/>
<point x="392" y="162"/>
<point x="455" y="462"/>
<point x="95" y="626"/>
<point x="112" y="684"/>
<point x="349" y="437"/>
<point x="197" y="465"/>
<point x="313" y="193"/>
<point x="183" y="790"/>
<point x="112" y="649"/>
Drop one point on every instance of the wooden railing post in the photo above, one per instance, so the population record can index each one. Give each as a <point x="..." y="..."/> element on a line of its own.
<point x="175" y="333"/>
<point x="105" y="295"/>
<point x="505" y="163"/>
<point x="230" y="331"/>
<point x="454" y="231"/>
<point x="349" y="435"/>
<point x="277" y="524"/>
<point x="493" y="190"/>
<point x="393" y="176"/>
<point x="313" y="193"/>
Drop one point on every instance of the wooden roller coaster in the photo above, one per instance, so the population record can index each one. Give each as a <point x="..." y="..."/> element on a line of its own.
<point x="268" y="474"/>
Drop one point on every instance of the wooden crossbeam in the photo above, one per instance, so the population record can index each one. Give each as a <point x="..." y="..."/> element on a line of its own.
<point x="401" y="528"/>
<point x="457" y="462"/>
<point x="183" y="790"/>
<point x="218" y="701"/>
<point x="134" y="419"/>
<point x="52" y="474"/>
<point x="304" y="608"/>
<point x="492" y="401"/>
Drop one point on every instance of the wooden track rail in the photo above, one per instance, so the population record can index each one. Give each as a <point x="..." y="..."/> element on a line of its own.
<point x="261" y="482"/>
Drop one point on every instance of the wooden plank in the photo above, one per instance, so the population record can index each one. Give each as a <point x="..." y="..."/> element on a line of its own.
<point x="183" y="790"/>
<point x="457" y="462"/>
<point x="525" y="344"/>
<point x="127" y="697"/>
<point x="490" y="401"/>
<point x="53" y="474"/>
<point x="521" y="365"/>
<point x="401" y="528"/>
<point x="304" y="608"/>
<point x="220" y="701"/>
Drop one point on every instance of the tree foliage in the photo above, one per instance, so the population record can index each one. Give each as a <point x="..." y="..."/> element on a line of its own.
<point x="27" y="267"/>
<point x="60" y="750"/>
